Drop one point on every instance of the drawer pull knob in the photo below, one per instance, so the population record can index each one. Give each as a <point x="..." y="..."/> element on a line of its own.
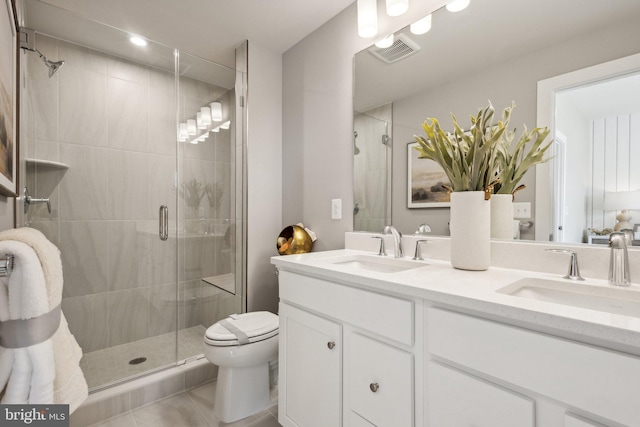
<point x="331" y="345"/>
<point x="374" y="387"/>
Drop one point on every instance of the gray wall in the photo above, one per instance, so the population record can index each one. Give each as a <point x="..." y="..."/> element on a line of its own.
<point x="318" y="121"/>
<point x="265" y="174"/>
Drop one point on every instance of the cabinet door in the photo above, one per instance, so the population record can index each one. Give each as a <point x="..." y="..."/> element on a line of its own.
<point x="380" y="381"/>
<point x="455" y="399"/>
<point x="309" y="376"/>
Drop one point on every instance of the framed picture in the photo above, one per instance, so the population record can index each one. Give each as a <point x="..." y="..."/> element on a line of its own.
<point x="8" y="95"/>
<point x="425" y="182"/>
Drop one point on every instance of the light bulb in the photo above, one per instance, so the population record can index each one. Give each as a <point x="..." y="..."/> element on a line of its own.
<point x="137" y="40"/>
<point x="191" y="127"/>
<point x="205" y="113"/>
<point x="182" y="132"/>
<point x="397" y="7"/>
<point x="385" y="42"/>
<point x="367" y="18"/>
<point x="421" y="26"/>
<point x="216" y="111"/>
<point x="457" y="5"/>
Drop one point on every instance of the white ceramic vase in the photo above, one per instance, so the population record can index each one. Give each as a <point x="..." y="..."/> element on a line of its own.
<point x="470" y="230"/>
<point x="502" y="216"/>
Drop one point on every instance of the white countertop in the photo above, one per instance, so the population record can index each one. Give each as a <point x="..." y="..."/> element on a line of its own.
<point x="475" y="291"/>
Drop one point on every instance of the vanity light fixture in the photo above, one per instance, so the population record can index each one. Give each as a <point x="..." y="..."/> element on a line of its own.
<point x="225" y="125"/>
<point x="138" y="40"/>
<point x="397" y="7"/>
<point x="191" y="127"/>
<point x="182" y="132"/>
<point x="205" y="113"/>
<point x="421" y="26"/>
<point x="367" y="18"/>
<point x="457" y="5"/>
<point x="216" y="111"/>
<point x="385" y="42"/>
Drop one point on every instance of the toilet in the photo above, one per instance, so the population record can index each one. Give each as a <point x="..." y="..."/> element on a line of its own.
<point x="242" y="345"/>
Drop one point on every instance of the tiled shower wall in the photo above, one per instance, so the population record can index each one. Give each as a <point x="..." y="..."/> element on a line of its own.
<point x="113" y="123"/>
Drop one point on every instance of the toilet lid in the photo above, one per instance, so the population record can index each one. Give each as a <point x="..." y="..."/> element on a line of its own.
<point x="244" y="328"/>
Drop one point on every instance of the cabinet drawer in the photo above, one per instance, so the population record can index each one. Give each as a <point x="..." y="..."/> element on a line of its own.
<point x="458" y="399"/>
<point x="388" y="316"/>
<point x="380" y="382"/>
<point x="583" y="376"/>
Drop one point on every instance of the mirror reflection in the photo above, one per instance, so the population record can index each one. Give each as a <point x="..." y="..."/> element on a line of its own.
<point x="498" y="50"/>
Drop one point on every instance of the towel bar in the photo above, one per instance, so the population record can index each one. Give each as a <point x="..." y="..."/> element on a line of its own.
<point x="6" y="265"/>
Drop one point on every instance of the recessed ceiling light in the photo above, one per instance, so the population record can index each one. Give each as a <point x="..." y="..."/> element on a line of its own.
<point x="137" y="40"/>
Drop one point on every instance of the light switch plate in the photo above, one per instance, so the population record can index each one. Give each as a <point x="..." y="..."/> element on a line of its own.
<point x="522" y="210"/>
<point x="336" y="208"/>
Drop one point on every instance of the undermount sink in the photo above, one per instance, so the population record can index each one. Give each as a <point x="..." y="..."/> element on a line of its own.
<point x="375" y="263"/>
<point x="607" y="299"/>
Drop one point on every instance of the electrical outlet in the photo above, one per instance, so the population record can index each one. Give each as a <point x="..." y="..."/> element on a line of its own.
<point x="336" y="209"/>
<point x="522" y="210"/>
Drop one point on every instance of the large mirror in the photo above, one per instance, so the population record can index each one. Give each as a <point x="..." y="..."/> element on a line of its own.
<point x="495" y="50"/>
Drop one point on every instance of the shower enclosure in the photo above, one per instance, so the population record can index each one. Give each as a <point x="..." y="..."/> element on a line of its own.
<point x="108" y="140"/>
<point x="371" y="166"/>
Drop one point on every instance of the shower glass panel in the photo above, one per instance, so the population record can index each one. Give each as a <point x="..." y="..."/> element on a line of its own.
<point x="101" y="140"/>
<point x="371" y="165"/>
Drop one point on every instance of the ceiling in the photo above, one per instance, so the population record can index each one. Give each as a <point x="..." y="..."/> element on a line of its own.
<point x="210" y="29"/>
<point x="487" y="33"/>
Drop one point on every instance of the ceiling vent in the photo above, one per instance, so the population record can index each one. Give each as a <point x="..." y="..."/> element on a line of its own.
<point x="402" y="47"/>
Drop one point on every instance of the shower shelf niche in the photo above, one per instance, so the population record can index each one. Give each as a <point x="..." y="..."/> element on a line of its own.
<point x="46" y="163"/>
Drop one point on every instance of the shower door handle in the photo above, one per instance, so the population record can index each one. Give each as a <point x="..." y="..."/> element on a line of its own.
<point x="164" y="222"/>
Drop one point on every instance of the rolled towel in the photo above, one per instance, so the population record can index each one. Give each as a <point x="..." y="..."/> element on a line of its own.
<point x="49" y="371"/>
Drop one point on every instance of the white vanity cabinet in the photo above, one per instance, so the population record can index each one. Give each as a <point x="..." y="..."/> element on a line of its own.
<point x="346" y="355"/>
<point x="512" y="370"/>
<point x="310" y="386"/>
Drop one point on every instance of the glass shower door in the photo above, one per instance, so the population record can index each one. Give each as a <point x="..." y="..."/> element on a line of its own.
<point x="100" y="139"/>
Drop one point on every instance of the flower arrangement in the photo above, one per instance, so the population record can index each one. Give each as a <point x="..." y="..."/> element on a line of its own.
<point x="514" y="161"/>
<point x="482" y="158"/>
<point x="214" y="194"/>
<point x="467" y="158"/>
<point x="192" y="192"/>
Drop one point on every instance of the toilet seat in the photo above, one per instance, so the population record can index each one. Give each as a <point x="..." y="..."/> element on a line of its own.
<point x="256" y="326"/>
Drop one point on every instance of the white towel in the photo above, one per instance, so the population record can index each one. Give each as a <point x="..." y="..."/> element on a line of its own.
<point x="47" y="372"/>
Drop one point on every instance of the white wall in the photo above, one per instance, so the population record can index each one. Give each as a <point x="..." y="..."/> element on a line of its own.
<point x="264" y="175"/>
<point x="318" y="121"/>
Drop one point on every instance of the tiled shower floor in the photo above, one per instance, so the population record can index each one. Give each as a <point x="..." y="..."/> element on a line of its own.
<point x="111" y="364"/>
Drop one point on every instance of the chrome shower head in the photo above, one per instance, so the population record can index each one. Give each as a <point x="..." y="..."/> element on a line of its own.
<point x="53" y="66"/>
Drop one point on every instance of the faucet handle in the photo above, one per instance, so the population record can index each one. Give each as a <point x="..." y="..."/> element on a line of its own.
<point x="422" y="229"/>
<point x="381" y="252"/>
<point x="574" y="271"/>
<point x="417" y="256"/>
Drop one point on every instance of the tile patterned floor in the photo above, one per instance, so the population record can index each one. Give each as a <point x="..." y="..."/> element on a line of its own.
<point x="192" y="408"/>
<point x="112" y="364"/>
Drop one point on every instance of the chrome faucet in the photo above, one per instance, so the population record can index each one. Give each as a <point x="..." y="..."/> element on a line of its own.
<point x="574" y="271"/>
<point x="619" y="261"/>
<point x="397" y="240"/>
